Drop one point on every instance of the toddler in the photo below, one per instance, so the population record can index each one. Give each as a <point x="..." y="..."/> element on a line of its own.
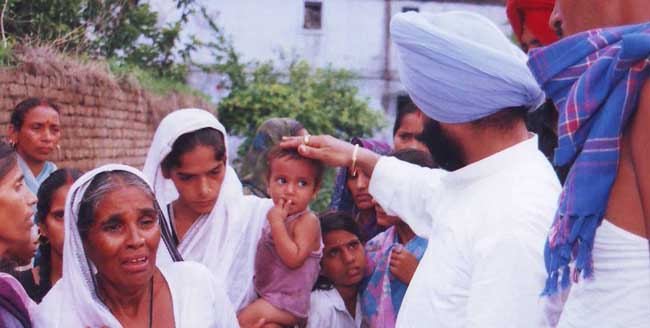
<point x="290" y="248"/>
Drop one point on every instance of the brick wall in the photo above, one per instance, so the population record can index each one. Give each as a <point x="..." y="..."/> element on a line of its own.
<point x="103" y="120"/>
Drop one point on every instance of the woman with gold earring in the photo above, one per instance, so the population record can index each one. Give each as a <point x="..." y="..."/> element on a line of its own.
<point x="34" y="132"/>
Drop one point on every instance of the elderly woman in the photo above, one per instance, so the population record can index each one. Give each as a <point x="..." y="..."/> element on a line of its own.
<point x="16" y="202"/>
<point x="110" y="277"/>
<point x="351" y="192"/>
<point x="211" y="220"/>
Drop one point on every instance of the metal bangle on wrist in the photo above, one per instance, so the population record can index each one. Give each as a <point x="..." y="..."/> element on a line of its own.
<point x="355" y="152"/>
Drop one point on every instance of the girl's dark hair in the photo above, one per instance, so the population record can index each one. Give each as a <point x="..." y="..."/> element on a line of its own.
<point x="408" y="107"/>
<point x="20" y="111"/>
<point x="7" y="159"/>
<point x="48" y="188"/>
<point x="187" y="142"/>
<point x="56" y="180"/>
<point x="332" y="221"/>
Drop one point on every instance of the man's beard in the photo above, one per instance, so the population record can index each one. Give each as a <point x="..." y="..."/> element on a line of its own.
<point x="445" y="151"/>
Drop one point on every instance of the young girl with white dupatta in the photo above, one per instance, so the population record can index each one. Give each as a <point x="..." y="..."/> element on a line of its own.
<point x="110" y="277"/>
<point x="212" y="222"/>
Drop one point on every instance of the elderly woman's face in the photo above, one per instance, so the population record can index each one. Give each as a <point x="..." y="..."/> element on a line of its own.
<point x="124" y="236"/>
<point x="16" y="212"/>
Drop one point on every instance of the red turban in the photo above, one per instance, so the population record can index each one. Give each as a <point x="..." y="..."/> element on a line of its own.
<point x="533" y="14"/>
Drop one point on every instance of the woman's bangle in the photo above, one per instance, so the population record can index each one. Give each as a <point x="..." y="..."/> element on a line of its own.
<point x="354" y="160"/>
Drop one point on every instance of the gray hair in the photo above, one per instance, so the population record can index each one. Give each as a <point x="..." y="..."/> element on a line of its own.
<point x="101" y="185"/>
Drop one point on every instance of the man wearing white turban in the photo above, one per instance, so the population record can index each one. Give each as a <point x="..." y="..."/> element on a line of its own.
<point x="487" y="214"/>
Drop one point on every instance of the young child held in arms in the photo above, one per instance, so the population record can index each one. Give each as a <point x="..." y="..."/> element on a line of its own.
<point x="290" y="248"/>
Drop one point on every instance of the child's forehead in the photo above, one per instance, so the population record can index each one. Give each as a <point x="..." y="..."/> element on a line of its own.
<point x="290" y="164"/>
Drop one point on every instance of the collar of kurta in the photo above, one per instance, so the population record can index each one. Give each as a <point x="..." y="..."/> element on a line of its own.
<point x="494" y="163"/>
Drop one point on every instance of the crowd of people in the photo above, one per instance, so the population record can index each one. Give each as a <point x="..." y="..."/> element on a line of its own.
<point x="514" y="195"/>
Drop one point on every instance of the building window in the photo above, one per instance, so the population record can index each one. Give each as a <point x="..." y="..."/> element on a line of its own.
<point x="313" y="15"/>
<point x="407" y="9"/>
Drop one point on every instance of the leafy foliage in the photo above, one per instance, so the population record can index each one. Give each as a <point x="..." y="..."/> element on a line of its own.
<point x="123" y="30"/>
<point x="324" y="100"/>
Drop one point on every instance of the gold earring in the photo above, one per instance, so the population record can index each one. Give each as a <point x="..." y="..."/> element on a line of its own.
<point x="58" y="147"/>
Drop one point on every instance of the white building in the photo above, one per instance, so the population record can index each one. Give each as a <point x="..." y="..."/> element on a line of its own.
<point x="350" y="34"/>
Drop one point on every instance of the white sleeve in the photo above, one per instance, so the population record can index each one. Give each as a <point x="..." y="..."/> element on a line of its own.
<point x="408" y="191"/>
<point x="506" y="284"/>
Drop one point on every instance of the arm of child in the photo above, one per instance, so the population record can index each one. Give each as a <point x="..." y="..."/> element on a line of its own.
<point x="293" y="252"/>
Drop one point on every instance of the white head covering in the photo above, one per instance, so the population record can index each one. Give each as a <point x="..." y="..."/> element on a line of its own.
<point x="73" y="301"/>
<point x="459" y="67"/>
<point x="224" y="240"/>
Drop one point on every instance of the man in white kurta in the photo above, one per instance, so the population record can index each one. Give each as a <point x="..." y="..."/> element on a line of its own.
<point x="487" y="220"/>
<point x="486" y="224"/>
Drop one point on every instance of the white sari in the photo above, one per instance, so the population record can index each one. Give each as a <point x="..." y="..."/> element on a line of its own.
<point x="198" y="299"/>
<point x="224" y="240"/>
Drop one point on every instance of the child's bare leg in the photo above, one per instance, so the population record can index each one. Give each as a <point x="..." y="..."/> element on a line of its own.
<point x="263" y="309"/>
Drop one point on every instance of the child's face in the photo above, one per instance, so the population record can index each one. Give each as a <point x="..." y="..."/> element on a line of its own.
<point x="292" y="180"/>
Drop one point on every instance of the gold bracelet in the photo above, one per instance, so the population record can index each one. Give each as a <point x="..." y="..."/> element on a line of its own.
<point x="354" y="160"/>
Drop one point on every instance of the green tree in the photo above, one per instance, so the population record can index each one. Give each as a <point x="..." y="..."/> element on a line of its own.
<point x="124" y="31"/>
<point x="324" y="100"/>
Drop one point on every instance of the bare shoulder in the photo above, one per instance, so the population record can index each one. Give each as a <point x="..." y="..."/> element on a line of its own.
<point x="309" y="220"/>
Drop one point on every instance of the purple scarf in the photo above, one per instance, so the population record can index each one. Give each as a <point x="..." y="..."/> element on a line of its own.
<point x="11" y="302"/>
<point x="594" y="78"/>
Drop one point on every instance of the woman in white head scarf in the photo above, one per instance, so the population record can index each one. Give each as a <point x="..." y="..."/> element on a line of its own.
<point x="213" y="223"/>
<point x="110" y="277"/>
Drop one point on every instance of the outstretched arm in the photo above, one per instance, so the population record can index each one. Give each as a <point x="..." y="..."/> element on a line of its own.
<point x="403" y="189"/>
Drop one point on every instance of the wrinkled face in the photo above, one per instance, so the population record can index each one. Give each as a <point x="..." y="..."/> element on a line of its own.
<point x="292" y="180"/>
<point x="385" y="220"/>
<point x="344" y="259"/>
<point x="198" y="179"/>
<point x="52" y="227"/>
<point x="39" y="134"/>
<point x="123" y="238"/>
<point x="411" y="127"/>
<point x="16" y="203"/>
<point x="358" y="186"/>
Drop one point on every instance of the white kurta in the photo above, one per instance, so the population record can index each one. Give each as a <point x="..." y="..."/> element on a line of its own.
<point x="619" y="294"/>
<point x="486" y="224"/>
<point x="327" y="309"/>
<point x="199" y="300"/>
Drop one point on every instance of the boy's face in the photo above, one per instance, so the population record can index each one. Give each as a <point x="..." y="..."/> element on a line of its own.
<point x="292" y="180"/>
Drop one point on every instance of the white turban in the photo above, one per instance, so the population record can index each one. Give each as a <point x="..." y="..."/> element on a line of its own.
<point x="459" y="67"/>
